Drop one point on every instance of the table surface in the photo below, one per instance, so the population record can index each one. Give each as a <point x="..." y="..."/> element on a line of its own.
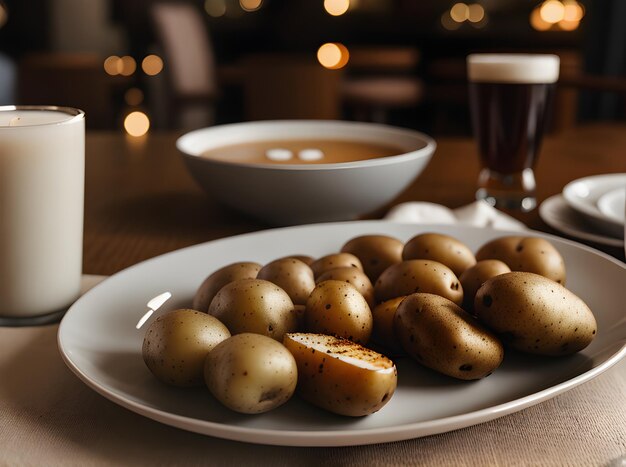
<point x="141" y="202"/>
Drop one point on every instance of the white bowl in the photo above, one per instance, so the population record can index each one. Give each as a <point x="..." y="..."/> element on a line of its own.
<point x="305" y="193"/>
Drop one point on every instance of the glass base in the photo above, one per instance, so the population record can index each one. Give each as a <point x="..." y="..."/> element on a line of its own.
<point x="508" y="191"/>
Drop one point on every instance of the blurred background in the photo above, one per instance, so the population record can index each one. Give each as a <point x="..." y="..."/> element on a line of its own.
<point x="134" y="65"/>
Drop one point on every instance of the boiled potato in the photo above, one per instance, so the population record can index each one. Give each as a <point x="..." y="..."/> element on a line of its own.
<point x="353" y="276"/>
<point x="337" y="260"/>
<point x="534" y="314"/>
<point x="441" y="336"/>
<point x="376" y="253"/>
<point x="341" y="376"/>
<point x="177" y="343"/>
<point x="442" y="248"/>
<point x="291" y="275"/>
<point x="336" y="307"/>
<point x="472" y="278"/>
<point x="527" y="254"/>
<point x="306" y="259"/>
<point x="215" y="281"/>
<point x="383" y="317"/>
<point x="418" y="275"/>
<point x="255" y="305"/>
<point x="251" y="373"/>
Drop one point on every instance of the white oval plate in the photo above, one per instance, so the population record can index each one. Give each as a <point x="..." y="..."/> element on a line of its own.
<point x="613" y="204"/>
<point x="584" y="194"/>
<point x="558" y="214"/>
<point x="99" y="342"/>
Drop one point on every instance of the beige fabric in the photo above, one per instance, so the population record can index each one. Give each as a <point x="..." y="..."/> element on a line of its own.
<point x="49" y="417"/>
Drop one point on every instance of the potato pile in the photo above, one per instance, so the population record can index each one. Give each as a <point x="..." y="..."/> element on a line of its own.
<point x="258" y="334"/>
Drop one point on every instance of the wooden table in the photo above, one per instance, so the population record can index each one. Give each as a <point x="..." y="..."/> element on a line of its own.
<point x="140" y="202"/>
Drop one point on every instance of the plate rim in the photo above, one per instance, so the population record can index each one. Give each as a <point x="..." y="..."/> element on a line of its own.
<point x="344" y="437"/>
<point x="591" y="209"/>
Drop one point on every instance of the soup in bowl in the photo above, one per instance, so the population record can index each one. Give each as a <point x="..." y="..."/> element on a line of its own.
<point x="302" y="171"/>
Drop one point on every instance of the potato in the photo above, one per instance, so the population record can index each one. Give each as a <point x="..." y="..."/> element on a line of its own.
<point x="306" y="259"/>
<point x="441" y="336"/>
<point x="528" y="254"/>
<point x="341" y="376"/>
<point x="337" y="260"/>
<point x="336" y="307"/>
<point x="473" y="278"/>
<point x="383" y="332"/>
<point x="352" y="276"/>
<point x="251" y="373"/>
<point x="255" y="305"/>
<point x="177" y="343"/>
<point x="534" y="314"/>
<point x="441" y="248"/>
<point x="418" y="275"/>
<point x="215" y="281"/>
<point x="291" y="275"/>
<point x="376" y="253"/>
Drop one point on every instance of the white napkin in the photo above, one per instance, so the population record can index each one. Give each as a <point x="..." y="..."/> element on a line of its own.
<point x="478" y="214"/>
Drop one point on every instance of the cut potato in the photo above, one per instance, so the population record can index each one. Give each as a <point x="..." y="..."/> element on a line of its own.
<point x="341" y="376"/>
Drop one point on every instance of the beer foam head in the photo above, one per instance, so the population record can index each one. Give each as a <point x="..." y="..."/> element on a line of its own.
<point x="513" y="68"/>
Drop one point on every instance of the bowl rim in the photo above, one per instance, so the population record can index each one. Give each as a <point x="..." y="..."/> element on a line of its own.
<point x="424" y="152"/>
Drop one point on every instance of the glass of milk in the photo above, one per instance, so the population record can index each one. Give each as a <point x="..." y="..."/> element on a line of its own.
<point x="42" y="167"/>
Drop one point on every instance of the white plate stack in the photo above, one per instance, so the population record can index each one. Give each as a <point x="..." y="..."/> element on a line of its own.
<point x="591" y="208"/>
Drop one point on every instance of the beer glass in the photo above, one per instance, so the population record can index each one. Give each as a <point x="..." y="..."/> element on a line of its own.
<point x="510" y="96"/>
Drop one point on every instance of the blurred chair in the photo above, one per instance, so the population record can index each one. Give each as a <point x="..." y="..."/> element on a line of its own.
<point x="382" y="79"/>
<point x="191" y="86"/>
<point x="278" y="86"/>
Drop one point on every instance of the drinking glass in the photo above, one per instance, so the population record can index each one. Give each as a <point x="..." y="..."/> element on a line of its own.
<point x="510" y="97"/>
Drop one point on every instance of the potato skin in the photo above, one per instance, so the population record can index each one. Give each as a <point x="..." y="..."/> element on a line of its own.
<point x="534" y="314"/>
<point x="527" y="254"/>
<point x="291" y="275"/>
<point x="472" y="278"/>
<point x="442" y="248"/>
<point x="376" y="253"/>
<point x="328" y="379"/>
<point x="418" y="275"/>
<point x="177" y="343"/>
<point x="218" y="279"/>
<point x="336" y="260"/>
<point x="251" y="373"/>
<point x="384" y="333"/>
<point x="352" y="276"/>
<point x="440" y="335"/>
<point x="255" y="305"/>
<point x="336" y="307"/>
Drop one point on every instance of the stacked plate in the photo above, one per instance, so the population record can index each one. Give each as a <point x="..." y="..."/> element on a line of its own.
<point x="590" y="208"/>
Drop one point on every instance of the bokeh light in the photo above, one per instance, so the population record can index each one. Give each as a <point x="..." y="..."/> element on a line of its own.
<point x="133" y="96"/>
<point x="336" y="7"/>
<point x="136" y="123"/>
<point x="475" y="13"/>
<point x="152" y="65"/>
<point x="448" y="23"/>
<point x="573" y="11"/>
<point x="552" y="11"/>
<point x="113" y="65"/>
<point x="568" y="25"/>
<point x="128" y="65"/>
<point x="333" y="55"/>
<point x="459" y="12"/>
<point x="215" y="8"/>
<point x="250" y="5"/>
<point x="537" y="22"/>
<point x="4" y="14"/>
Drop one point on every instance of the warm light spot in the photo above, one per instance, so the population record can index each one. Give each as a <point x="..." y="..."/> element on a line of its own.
<point x="459" y="12"/>
<point x="537" y="22"/>
<point x="552" y="11"/>
<point x="128" y="65"/>
<point x="475" y="13"/>
<point x="448" y="23"/>
<point x="573" y="11"/>
<point x="568" y="25"/>
<point x="113" y="65"/>
<point x="250" y="5"/>
<point x="133" y="96"/>
<point x="136" y="123"/>
<point x="215" y="8"/>
<point x="333" y="55"/>
<point x="152" y="65"/>
<point x="4" y="15"/>
<point x="336" y="7"/>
